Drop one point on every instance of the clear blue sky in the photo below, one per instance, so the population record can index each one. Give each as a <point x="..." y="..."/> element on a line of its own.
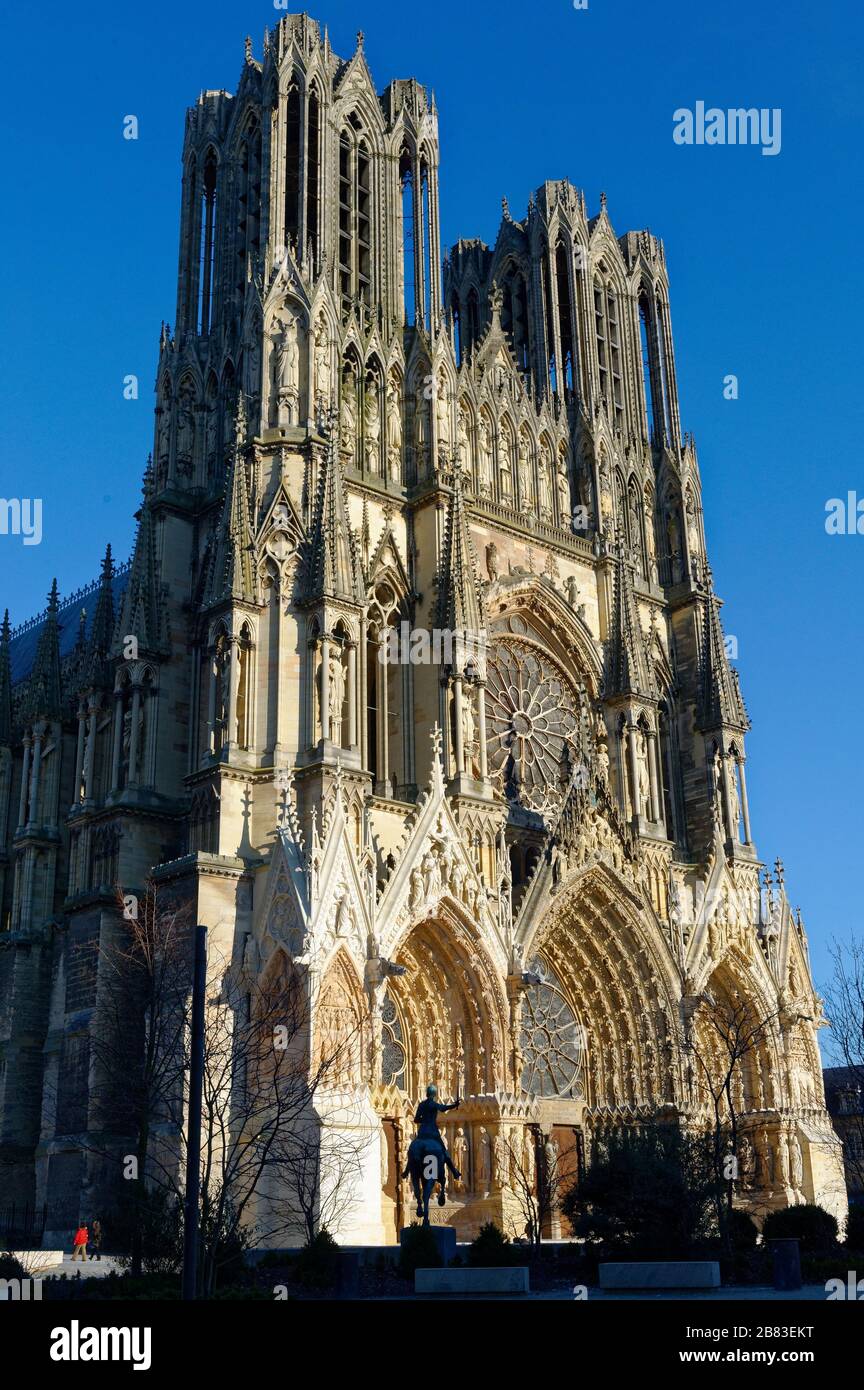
<point x="765" y="266"/>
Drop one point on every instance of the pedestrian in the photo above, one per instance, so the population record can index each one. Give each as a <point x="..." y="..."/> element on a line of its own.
<point x="80" y="1244"/>
<point x="96" y="1239"/>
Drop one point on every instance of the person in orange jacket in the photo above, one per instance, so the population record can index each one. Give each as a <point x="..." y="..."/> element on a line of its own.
<point x="82" y="1236"/>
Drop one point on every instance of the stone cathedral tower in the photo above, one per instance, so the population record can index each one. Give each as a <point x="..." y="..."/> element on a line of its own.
<point x="415" y="682"/>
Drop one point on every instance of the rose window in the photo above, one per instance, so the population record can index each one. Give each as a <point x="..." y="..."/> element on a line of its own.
<point x="552" y="1040"/>
<point x="533" y="722"/>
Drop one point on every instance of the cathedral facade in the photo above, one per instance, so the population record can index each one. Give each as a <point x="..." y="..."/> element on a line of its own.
<point x="415" y="682"/>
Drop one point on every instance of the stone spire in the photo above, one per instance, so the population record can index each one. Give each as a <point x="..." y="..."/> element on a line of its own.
<point x="5" y="683"/>
<point x="232" y="569"/>
<point x="627" y="670"/>
<point x="44" y="694"/>
<point x="333" y="566"/>
<point x="142" y="613"/>
<point x="460" y="596"/>
<point x="721" y="702"/>
<point x="102" y="630"/>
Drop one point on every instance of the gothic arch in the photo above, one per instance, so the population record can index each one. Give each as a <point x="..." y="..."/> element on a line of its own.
<point x="451" y="1006"/>
<point x="621" y="983"/>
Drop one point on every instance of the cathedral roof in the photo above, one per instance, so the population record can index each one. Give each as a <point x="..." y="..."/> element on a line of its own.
<point x="25" y="639"/>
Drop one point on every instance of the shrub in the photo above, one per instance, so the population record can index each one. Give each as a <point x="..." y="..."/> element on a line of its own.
<point x="855" y="1228"/>
<point x="491" y="1248"/>
<point x="814" y="1227"/>
<point x="317" y="1265"/>
<point x="419" y="1251"/>
<point x="648" y="1189"/>
<point x="743" y="1231"/>
<point x="10" y="1268"/>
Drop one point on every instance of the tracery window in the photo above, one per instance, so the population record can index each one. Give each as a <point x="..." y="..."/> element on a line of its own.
<point x="552" y="1039"/>
<point x="392" y="1045"/>
<point x="534" y="721"/>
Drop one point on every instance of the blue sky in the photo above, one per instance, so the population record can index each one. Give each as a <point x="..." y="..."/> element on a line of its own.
<point x="765" y="283"/>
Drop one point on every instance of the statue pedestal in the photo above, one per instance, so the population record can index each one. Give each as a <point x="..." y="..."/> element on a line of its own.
<point x="445" y="1239"/>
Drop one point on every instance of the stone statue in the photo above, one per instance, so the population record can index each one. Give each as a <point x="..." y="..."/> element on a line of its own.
<point x="484" y="461"/>
<point x="563" y="497"/>
<point x="644" y="776"/>
<point x="484" y="1162"/>
<point x="500" y="1153"/>
<point x="348" y="421"/>
<point x="545" y="492"/>
<point x="442" y="417"/>
<point x="322" y="366"/>
<point x="394" y="430"/>
<point x="523" y="464"/>
<point x="492" y="561"/>
<point x="460" y="1158"/>
<point x="372" y="427"/>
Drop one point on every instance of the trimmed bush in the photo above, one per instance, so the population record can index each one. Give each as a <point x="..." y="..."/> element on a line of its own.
<point x="855" y="1228"/>
<point x="743" y="1230"/>
<point x="491" y="1249"/>
<point x="10" y="1268"/>
<point x="317" y="1265"/>
<point x="813" y="1226"/>
<point x="419" y="1251"/>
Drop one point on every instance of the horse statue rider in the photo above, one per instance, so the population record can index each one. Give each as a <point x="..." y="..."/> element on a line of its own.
<point x="428" y="1159"/>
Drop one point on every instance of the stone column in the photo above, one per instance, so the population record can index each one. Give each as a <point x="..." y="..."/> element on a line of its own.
<point x="383" y="770"/>
<point x="211" y="702"/>
<point x="79" y="753"/>
<point x="233" y="688"/>
<point x="481" y="730"/>
<point x="745" y="805"/>
<point x="457" y="722"/>
<point x="38" y="735"/>
<point x="653" y="775"/>
<point x="632" y="733"/>
<point x="25" y="783"/>
<point x="90" y="759"/>
<point x="353" y="694"/>
<point x="117" y="747"/>
<point x="325" y="689"/>
<point x="134" y="750"/>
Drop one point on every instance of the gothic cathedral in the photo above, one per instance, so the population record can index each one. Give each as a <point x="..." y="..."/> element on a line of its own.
<point x="415" y="682"/>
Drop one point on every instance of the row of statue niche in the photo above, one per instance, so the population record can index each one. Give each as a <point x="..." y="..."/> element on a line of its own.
<point x="763" y="1166"/>
<point x="489" y="1162"/>
<point x="485" y="468"/>
<point x="442" y="870"/>
<point x="372" y="444"/>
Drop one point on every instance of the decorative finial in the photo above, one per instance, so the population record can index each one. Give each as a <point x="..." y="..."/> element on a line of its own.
<point x="505" y="208"/>
<point x="248" y="43"/>
<point x="436" y="742"/>
<point x="360" y="38"/>
<point x="602" y="202"/>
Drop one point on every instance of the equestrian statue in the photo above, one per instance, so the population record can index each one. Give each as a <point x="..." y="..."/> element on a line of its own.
<point x="428" y="1159"/>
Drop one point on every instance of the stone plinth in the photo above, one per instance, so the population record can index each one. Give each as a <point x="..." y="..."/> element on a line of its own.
<point x="444" y="1237"/>
<point x="468" y="1282"/>
<point x="661" y="1274"/>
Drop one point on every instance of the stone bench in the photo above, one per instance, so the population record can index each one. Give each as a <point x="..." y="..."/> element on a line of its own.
<point x="469" y="1281"/>
<point x="661" y="1274"/>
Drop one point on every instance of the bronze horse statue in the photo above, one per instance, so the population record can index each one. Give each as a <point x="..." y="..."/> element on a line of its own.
<point x="428" y="1159"/>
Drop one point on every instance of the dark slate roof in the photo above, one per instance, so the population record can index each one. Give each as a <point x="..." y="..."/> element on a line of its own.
<point x="25" y="639"/>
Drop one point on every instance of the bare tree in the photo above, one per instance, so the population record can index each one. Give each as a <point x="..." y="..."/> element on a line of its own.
<point x="732" y="1032"/>
<point x="539" y="1181"/>
<point x="844" y="1001"/>
<point x="269" y="1165"/>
